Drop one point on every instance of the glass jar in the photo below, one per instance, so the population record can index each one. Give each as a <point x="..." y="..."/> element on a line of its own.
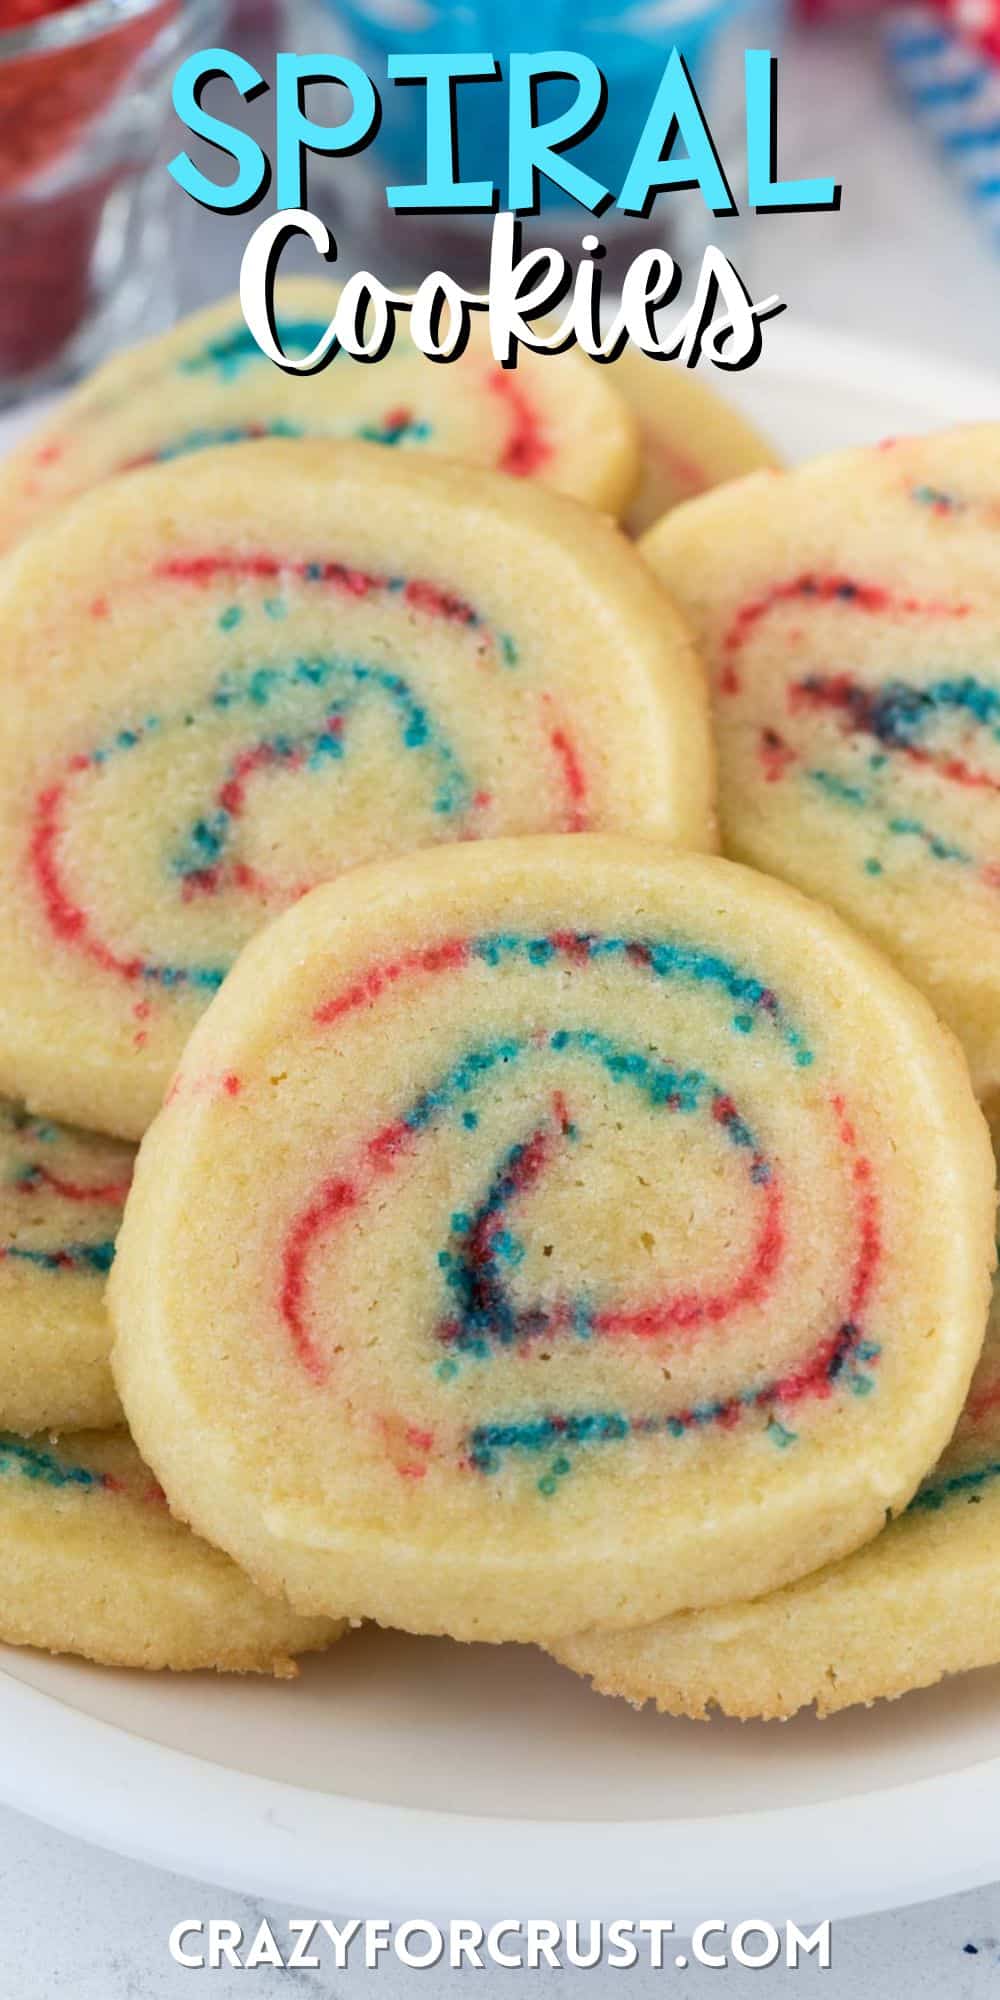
<point x="86" y="125"/>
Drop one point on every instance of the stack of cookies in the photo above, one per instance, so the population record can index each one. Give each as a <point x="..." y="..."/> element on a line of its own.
<point x="543" y="1228"/>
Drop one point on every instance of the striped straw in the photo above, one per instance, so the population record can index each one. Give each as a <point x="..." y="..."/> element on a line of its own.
<point x="955" y="93"/>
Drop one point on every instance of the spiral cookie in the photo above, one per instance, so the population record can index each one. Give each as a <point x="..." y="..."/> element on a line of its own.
<point x="91" y="1562"/>
<point x="850" y="617"/>
<point x="207" y="383"/>
<point x="61" y="1198"/>
<point x="542" y="1233"/>
<point x="919" y="1602"/>
<point x="690" y="438"/>
<point x="225" y="681"/>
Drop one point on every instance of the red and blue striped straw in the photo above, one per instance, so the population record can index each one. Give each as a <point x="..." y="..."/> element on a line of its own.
<point x="954" y="90"/>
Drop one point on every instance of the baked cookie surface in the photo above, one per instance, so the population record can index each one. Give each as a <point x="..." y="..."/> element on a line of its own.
<point x="228" y="679"/>
<point x="62" y="1193"/>
<point x="92" y="1563"/>
<point x="206" y="383"/>
<point x="690" y="437"/>
<point x="542" y="1232"/>
<point x="849" y="615"/>
<point x="919" y="1602"/>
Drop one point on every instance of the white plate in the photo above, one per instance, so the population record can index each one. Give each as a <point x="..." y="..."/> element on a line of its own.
<point x="401" y="1777"/>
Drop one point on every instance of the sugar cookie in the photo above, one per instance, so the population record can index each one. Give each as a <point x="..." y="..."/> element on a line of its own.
<point x="61" y="1198"/>
<point x="850" y="617"/>
<point x="544" y="1232"/>
<point x="690" y="437"/>
<point x="206" y="383"/>
<point x="226" y="680"/>
<point x="919" y="1602"/>
<point x="91" y="1562"/>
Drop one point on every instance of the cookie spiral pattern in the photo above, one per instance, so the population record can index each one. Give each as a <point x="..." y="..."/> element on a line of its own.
<point x="62" y="1194"/>
<point x="915" y="1604"/>
<point x="252" y="710"/>
<point x="853" y="646"/>
<point x="584" y="1212"/>
<point x="92" y="1563"/>
<point x="206" y="384"/>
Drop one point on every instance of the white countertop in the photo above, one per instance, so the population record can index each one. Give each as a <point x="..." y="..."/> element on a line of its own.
<point x="84" y="1925"/>
<point x="903" y="261"/>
